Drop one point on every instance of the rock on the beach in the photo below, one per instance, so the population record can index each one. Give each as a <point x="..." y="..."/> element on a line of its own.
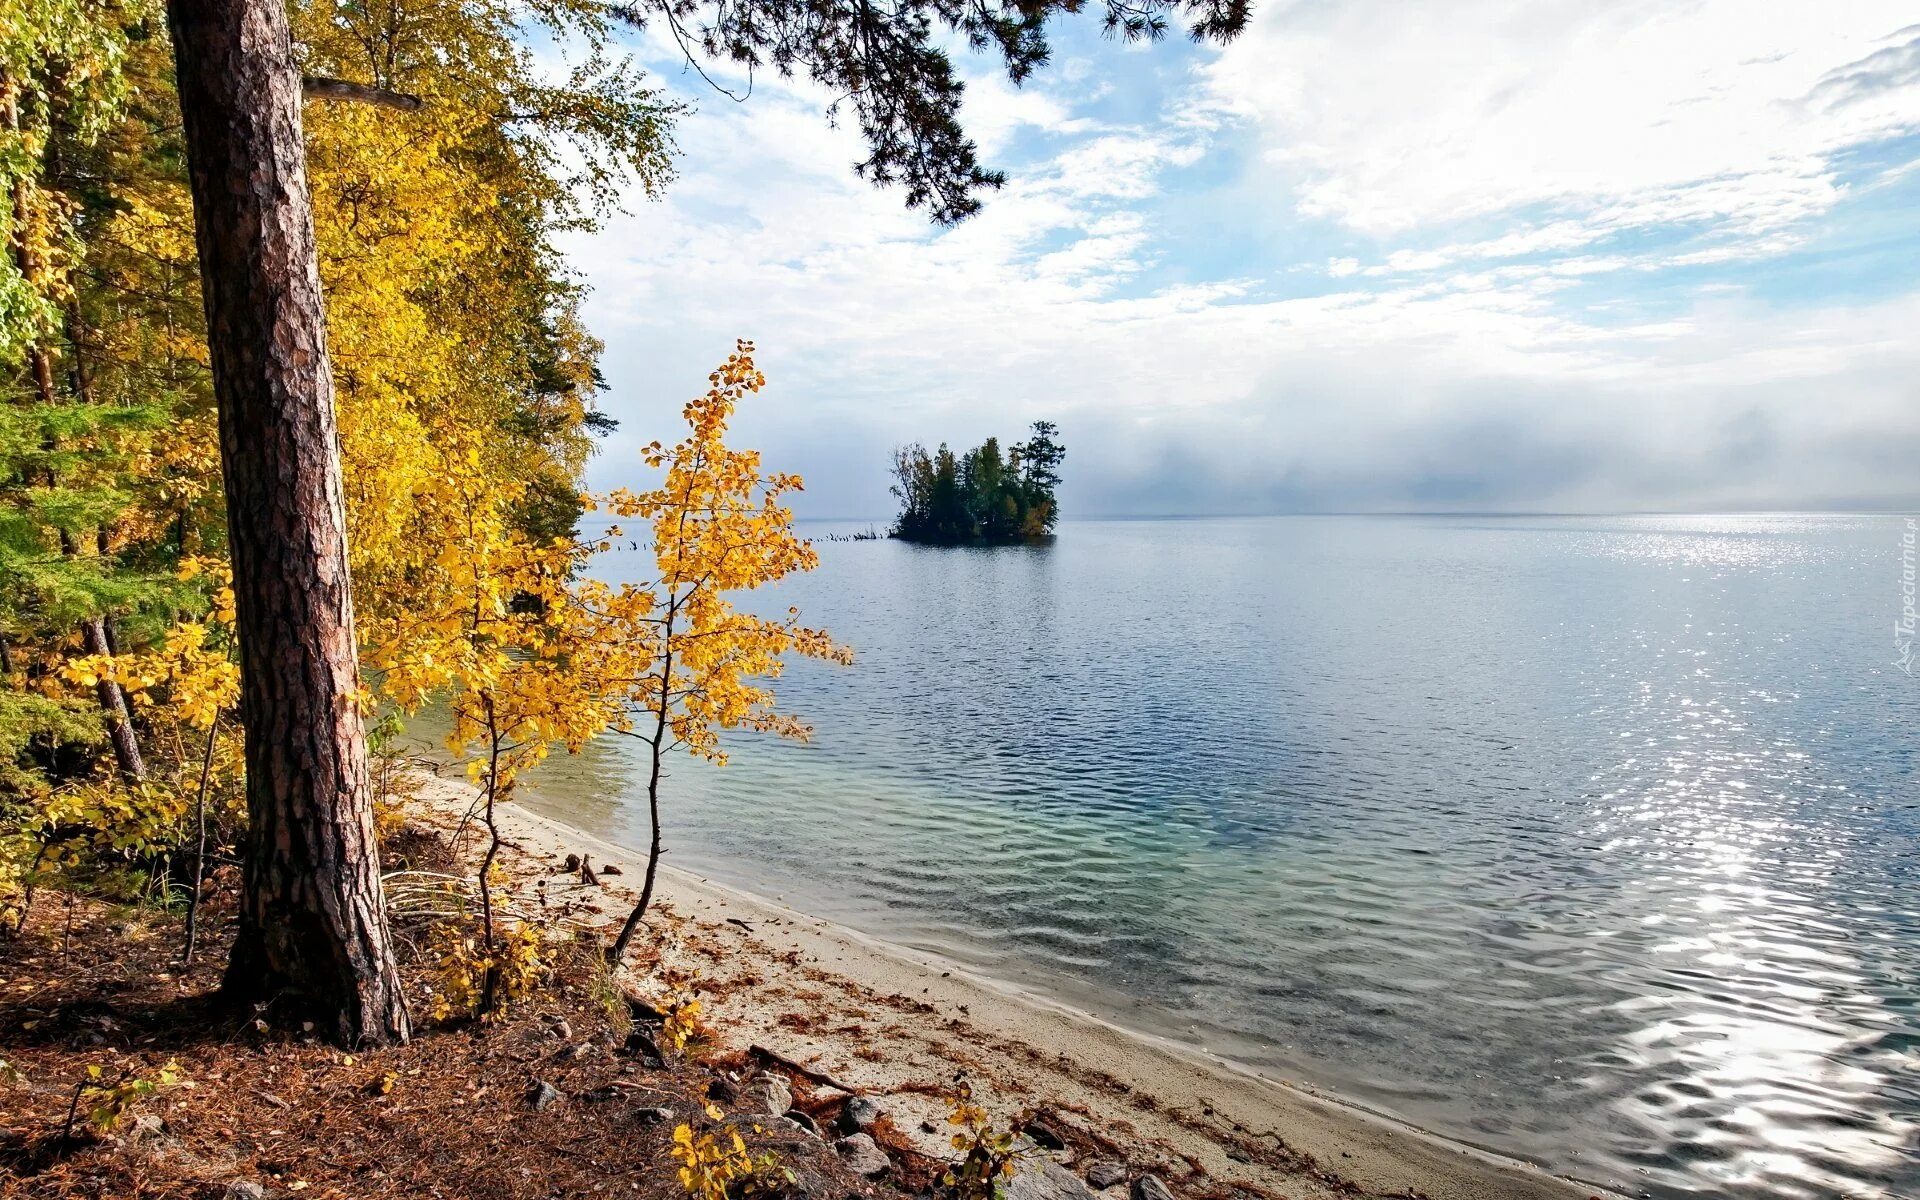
<point x="1044" y="1135"/>
<point x="769" y="1094"/>
<point x="1044" y="1179"/>
<point x="243" y="1189"/>
<point x="654" y="1116"/>
<point x="801" y="1118"/>
<point x="1149" y="1187"/>
<point x="788" y="1126"/>
<point x="860" y="1113"/>
<point x="542" y="1095"/>
<point x="1106" y="1173"/>
<point x="862" y="1156"/>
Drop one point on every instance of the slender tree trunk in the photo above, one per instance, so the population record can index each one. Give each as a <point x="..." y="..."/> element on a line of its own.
<point x="126" y="746"/>
<point x="200" y="840"/>
<point x="490" y="984"/>
<point x="313" y="919"/>
<point x="618" y="952"/>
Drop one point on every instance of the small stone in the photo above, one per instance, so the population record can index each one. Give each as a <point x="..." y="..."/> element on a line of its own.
<point x="722" y="1091"/>
<point x="862" y="1156"/>
<point x="1149" y="1187"/>
<point x="560" y="1028"/>
<point x="1044" y="1135"/>
<point x="784" y="1126"/>
<point x="804" y="1121"/>
<point x="1106" y="1173"/>
<point x="859" y="1114"/>
<point x="543" y="1095"/>
<point x="640" y="1008"/>
<point x="611" y="869"/>
<point x="641" y="1042"/>
<point x="571" y="864"/>
<point x="575" y="1052"/>
<point x="654" y="1116"/>
<point x="147" y="1127"/>
<point x="243" y="1189"/>
<point x="1044" y="1179"/>
<point x="769" y="1094"/>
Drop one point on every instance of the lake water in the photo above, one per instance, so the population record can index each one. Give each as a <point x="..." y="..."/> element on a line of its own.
<point x="1591" y="840"/>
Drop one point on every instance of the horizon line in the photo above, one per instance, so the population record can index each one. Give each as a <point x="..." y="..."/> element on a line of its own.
<point x="1423" y="512"/>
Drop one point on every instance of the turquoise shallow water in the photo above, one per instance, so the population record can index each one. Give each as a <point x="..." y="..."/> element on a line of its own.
<point x="1592" y="840"/>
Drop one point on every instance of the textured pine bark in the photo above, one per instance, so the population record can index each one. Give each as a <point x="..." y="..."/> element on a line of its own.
<point x="313" y="919"/>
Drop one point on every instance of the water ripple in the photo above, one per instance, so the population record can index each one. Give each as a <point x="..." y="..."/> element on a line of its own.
<point x="1590" y="840"/>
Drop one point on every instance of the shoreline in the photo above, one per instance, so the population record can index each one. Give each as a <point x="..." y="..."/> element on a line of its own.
<point x="898" y="1022"/>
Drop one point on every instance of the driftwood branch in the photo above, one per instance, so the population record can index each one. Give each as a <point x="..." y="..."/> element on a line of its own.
<point x="801" y="1069"/>
<point x="322" y="87"/>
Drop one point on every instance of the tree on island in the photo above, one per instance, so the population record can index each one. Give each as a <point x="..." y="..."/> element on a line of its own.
<point x="981" y="498"/>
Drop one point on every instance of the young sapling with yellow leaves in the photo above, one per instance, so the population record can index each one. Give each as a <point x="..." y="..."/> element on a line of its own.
<point x="720" y="525"/>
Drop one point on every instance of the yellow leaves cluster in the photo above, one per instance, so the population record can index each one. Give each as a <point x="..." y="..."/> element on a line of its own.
<point x="719" y="526"/>
<point x="109" y="1101"/>
<point x="460" y="965"/>
<point x="193" y="664"/>
<point x="181" y="687"/>
<point x="682" y="1026"/>
<point x="533" y="653"/>
<point x="720" y="1167"/>
<point x="498" y="627"/>
<point x="987" y="1155"/>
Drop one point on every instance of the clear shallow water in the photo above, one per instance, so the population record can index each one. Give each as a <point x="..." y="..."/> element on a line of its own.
<point x="1594" y="841"/>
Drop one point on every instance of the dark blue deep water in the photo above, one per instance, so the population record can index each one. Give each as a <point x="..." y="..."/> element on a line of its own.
<point x="1592" y="840"/>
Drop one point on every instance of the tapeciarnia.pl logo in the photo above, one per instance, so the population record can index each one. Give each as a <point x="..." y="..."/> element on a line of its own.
<point x="1903" y="629"/>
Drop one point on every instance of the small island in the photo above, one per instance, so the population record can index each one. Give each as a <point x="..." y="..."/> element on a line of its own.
<point x="981" y="498"/>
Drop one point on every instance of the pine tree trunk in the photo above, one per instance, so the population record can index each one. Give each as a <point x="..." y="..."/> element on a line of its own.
<point x="313" y="920"/>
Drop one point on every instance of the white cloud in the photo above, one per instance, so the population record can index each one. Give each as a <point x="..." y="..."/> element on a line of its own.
<point x="1389" y="117"/>
<point x="1455" y="374"/>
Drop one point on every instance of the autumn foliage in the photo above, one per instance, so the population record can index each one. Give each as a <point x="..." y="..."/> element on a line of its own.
<point x="467" y="390"/>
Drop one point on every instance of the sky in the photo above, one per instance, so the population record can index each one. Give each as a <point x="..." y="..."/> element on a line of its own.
<point x="1493" y="255"/>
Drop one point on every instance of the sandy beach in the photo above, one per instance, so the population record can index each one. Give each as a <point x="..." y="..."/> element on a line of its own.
<point x="898" y="1024"/>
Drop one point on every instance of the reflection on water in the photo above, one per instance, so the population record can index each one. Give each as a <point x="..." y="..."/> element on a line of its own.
<point x="1590" y="840"/>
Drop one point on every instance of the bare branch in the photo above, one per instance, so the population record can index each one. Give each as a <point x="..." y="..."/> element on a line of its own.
<point x="322" y="87"/>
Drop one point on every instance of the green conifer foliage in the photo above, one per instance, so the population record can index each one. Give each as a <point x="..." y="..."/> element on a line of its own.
<point x="983" y="497"/>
